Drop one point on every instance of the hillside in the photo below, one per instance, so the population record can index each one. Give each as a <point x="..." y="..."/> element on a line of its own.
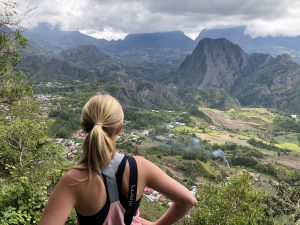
<point x="136" y="92"/>
<point x="276" y="84"/>
<point x="237" y="77"/>
<point x="254" y="79"/>
<point x="187" y="117"/>
<point x="167" y="47"/>
<point x="272" y="45"/>
<point x="55" y="40"/>
<point x="90" y="58"/>
<point x="175" y="40"/>
<point x="42" y="68"/>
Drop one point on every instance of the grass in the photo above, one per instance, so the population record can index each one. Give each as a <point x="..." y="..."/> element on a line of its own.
<point x="214" y="133"/>
<point x="243" y="137"/>
<point x="186" y="129"/>
<point x="151" y="210"/>
<point x="290" y="138"/>
<point x="210" y="169"/>
<point x="194" y="169"/>
<point x="290" y="146"/>
<point x="253" y="114"/>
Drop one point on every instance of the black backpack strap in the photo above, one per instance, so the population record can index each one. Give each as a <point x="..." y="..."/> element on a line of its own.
<point x="133" y="177"/>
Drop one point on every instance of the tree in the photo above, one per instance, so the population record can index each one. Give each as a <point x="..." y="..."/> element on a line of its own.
<point x="232" y="202"/>
<point x="284" y="203"/>
<point x="29" y="163"/>
<point x="22" y="142"/>
<point x="12" y="83"/>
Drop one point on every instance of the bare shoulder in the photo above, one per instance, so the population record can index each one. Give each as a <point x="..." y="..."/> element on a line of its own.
<point x="141" y="160"/>
<point x="144" y="164"/>
<point x="74" y="176"/>
<point x="147" y="168"/>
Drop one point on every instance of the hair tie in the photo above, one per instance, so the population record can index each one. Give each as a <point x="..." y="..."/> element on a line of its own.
<point x="99" y="124"/>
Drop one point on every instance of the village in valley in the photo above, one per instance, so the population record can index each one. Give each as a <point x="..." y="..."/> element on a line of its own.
<point x="190" y="148"/>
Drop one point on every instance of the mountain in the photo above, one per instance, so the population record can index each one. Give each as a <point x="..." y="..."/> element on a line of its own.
<point x="254" y="79"/>
<point x="272" y="45"/>
<point x="276" y="84"/>
<point x="159" y="40"/>
<point x="161" y="47"/>
<point x="168" y="48"/>
<point x="54" y="39"/>
<point x="92" y="59"/>
<point x="218" y="73"/>
<point x="33" y="48"/>
<point x="41" y="68"/>
<point x="137" y="92"/>
<point x="216" y="63"/>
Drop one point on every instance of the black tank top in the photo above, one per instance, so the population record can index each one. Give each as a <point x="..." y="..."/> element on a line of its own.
<point x="99" y="217"/>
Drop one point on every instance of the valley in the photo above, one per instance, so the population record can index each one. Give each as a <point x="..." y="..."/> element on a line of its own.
<point x="211" y="114"/>
<point x="183" y="141"/>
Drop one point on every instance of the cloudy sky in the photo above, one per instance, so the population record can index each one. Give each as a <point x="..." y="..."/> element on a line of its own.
<point x="113" y="19"/>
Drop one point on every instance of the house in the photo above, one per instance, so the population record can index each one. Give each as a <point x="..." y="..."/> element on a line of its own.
<point x="79" y="135"/>
<point x="162" y="198"/>
<point x="179" y="123"/>
<point x="194" y="190"/>
<point x="148" y="190"/>
<point x="145" y="132"/>
<point x="254" y="176"/>
<point x="154" y="196"/>
<point x="160" y="138"/>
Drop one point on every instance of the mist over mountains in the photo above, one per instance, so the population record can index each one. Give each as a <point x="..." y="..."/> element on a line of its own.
<point x="272" y="45"/>
<point x="172" y="68"/>
<point x="55" y="40"/>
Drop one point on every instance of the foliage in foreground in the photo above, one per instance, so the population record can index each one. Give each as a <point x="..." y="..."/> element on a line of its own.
<point x="22" y="201"/>
<point x="29" y="164"/>
<point x="284" y="203"/>
<point x="233" y="202"/>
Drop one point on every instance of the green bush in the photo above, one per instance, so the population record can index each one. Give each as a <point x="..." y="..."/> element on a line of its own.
<point x="233" y="202"/>
<point x="21" y="201"/>
<point x="243" y="161"/>
<point x="189" y="155"/>
<point x="283" y="204"/>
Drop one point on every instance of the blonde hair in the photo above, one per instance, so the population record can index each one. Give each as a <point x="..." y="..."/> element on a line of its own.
<point x="101" y="116"/>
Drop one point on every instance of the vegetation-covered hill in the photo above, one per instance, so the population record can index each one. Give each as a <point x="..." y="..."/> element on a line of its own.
<point x="241" y="163"/>
<point x="171" y="47"/>
<point x="271" y="45"/>
<point x="255" y="79"/>
<point x="246" y="79"/>
<point x="90" y="58"/>
<point x="43" y="68"/>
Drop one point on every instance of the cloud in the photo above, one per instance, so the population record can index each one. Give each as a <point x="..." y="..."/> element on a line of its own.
<point x="115" y="18"/>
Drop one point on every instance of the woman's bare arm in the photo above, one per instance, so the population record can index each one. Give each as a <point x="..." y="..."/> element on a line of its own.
<point x="60" y="203"/>
<point x="158" y="180"/>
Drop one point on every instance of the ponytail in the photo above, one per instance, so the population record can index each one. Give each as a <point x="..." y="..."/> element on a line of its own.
<point x="100" y="118"/>
<point x="100" y="149"/>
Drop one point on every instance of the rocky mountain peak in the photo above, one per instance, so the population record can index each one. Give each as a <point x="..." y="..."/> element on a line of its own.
<point x="283" y="59"/>
<point x="215" y="62"/>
